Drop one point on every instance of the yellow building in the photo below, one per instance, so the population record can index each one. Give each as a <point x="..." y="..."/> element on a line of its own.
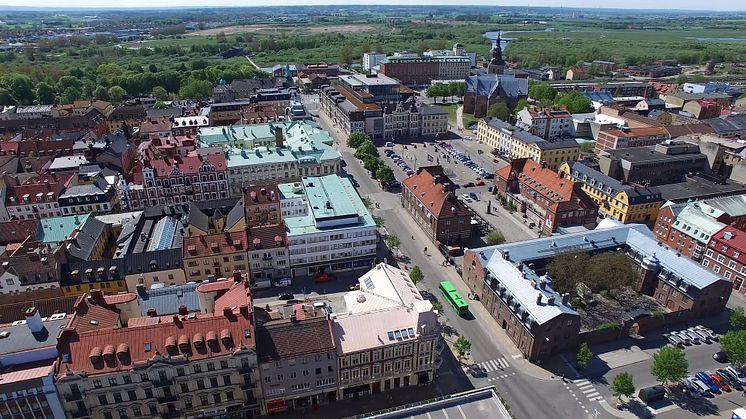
<point x="213" y="220"/>
<point x="132" y="116"/>
<point x="625" y="203"/>
<point x="514" y="143"/>
<point x="215" y="254"/>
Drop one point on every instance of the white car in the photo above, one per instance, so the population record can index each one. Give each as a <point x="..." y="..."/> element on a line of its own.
<point x="737" y="373"/>
<point x="282" y="283"/>
<point x="466" y="197"/>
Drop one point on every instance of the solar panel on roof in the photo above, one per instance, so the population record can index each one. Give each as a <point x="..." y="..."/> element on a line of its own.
<point x="404" y="333"/>
<point x="369" y="283"/>
<point x="397" y="333"/>
<point x="411" y="332"/>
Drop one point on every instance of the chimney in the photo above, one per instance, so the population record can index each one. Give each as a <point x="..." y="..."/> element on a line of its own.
<point x="97" y="295"/>
<point x="236" y="276"/>
<point x="550" y="301"/>
<point x="244" y="311"/>
<point x="538" y="299"/>
<point x="227" y="312"/>
<point x="543" y="284"/>
<point x="152" y="312"/>
<point x="177" y="320"/>
<point x="506" y="255"/>
<point x="565" y="299"/>
<point x="183" y="310"/>
<point x="279" y="140"/>
<point x="33" y="319"/>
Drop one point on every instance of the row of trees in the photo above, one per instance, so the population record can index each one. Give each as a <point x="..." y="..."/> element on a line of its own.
<point x="366" y="151"/>
<point x="452" y="89"/>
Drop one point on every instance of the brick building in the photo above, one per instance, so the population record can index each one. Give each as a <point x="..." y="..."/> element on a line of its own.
<point x="726" y="256"/>
<point x="430" y="199"/>
<point x="547" y="198"/>
<point x="614" y="138"/>
<point x="421" y="70"/>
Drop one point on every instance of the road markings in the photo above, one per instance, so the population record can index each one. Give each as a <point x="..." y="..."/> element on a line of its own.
<point x="494" y="364"/>
<point x="500" y="377"/>
<point x="588" y="390"/>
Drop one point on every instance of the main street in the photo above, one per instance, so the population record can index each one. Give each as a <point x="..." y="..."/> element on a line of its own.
<point x="529" y="392"/>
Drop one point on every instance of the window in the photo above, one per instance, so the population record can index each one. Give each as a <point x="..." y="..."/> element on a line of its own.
<point x="112" y="381"/>
<point x="732" y="264"/>
<point x="184" y="388"/>
<point x="210" y="366"/>
<point x="102" y="400"/>
<point x="197" y="368"/>
<point x="117" y="397"/>
<point x="318" y="371"/>
<point x="136" y="411"/>
<point x="728" y="274"/>
<point x="97" y="384"/>
<point x="131" y="395"/>
<point x="716" y="269"/>
<point x="149" y="393"/>
<point x="203" y="399"/>
<point x="226" y="380"/>
<point x="267" y="379"/>
<point x="213" y="381"/>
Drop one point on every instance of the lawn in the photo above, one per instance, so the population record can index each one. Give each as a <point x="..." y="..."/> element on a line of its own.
<point x="469" y="119"/>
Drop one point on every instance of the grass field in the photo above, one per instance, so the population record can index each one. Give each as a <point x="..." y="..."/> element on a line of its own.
<point x="451" y="108"/>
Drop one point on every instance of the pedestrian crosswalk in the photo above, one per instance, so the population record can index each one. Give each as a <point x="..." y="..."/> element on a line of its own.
<point x="499" y="364"/>
<point x="588" y="390"/>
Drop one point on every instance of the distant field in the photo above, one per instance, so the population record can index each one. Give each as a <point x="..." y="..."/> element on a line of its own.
<point x="231" y="30"/>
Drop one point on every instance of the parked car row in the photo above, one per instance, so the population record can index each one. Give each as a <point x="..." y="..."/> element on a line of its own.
<point x="692" y="336"/>
<point x="707" y="383"/>
<point x="399" y="162"/>
<point x="463" y="158"/>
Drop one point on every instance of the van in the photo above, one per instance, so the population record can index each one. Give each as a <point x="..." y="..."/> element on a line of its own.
<point x="285" y="282"/>
<point x="651" y="394"/>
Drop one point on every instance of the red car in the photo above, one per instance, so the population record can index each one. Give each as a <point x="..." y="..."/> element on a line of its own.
<point x="720" y="382"/>
<point x="325" y="277"/>
<point x="480" y="183"/>
<point x="468" y="184"/>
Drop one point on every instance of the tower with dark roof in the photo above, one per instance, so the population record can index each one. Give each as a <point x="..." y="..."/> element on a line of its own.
<point x="497" y="64"/>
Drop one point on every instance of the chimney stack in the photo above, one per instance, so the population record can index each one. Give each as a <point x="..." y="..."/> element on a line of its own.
<point x="183" y="310"/>
<point x="152" y="312"/>
<point x="236" y="276"/>
<point x="550" y="301"/>
<point x="538" y="299"/>
<point x="565" y="298"/>
<point x="33" y="320"/>
<point x="97" y="295"/>
<point x="279" y="139"/>
<point x="227" y="312"/>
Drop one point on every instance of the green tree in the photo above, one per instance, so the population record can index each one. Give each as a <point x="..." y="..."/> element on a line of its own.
<point x="101" y="93"/>
<point x="366" y="148"/>
<point x="356" y="139"/>
<point x="159" y="93"/>
<point x="462" y="347"/>
<point x="371" y="163"/>
<point x="346" y="54"/>
<point x="623" y="386"/>
<point x="66" y="82"/>
<point x="540" y="91"/>
<point x="393" y="242"/>
<point x="494" y="237"/>
<point x="422" y="46"/>
<point x="116" y="93"/>
<point x="6" y="99"/>
<point x="436" y="90"/>
<point x="499" y="110"/>
<point x="71" y="94"/>
<point x="19" y="86"/>
<point x="438" y="306"/>
<point x="737" y="318"/>
<point x="575" y="102"/>
<point x="520" y="105"/>
<point x="669" y="365"/>
<point x="584" y="355"/>
<point x="196" y="89"/>
<point x="45" y="93"/>
<point x="733" y="343"/>
<point x="456" y="88"/>
<point x="152" y="68"/>
<point x="384" y="174"/>
<point x="416" y="274"/>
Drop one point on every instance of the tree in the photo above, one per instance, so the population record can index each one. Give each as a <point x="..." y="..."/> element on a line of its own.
<point x="196" y="89"/>
<point x="669" y="365"/>
<point x="101" y="93"/>
<point x="462" y="347"/>
<point x="499" y="110"/>
<point x="6" y="99"/>
<point x="495" y="237"/>
<point x="152" y="68"/>
<point x="733" y="343"/>
<point x="456" y="88"/>
<point x="584" y="355"/>
<point x="575" y="102"/>
<point x="19" y="86"/>
<point x="116" y="93"/>
<point x="422" y="46"/>
<point x="540" y="91"/>
<point x="438" y="306"/>
<point x="356" y="139"/>
<point x="371" y="163"/>
<point x="623" y="386"/>
<point x="159" y="93"/>
<point x="44" y="93"/>
<point x="737" y="318"/>
<point x="392" y="241"/>
<point x="66" y="82"/>
<point x="384" y="174"/>
<point x="520" y="105"/>
<point x="366" y="148"/>
<point x="70" y="95"/>
<point x="346" y="54"/>
<point x="437" y="90"/>
<point x="416" y="274"/>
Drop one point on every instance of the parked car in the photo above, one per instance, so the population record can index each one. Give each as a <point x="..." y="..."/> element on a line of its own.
<point x="692" y="337"/>
<point x="720" y="382"/>
<point x="473" y="196"/>
<point x="738" y="374"/>
<point x="674" y="340"/>
<point x="489" y="176"/>
<point x="703" y="388"/>
<point x="354" y="287"/>
<point x="684" y="338"/>
<point x="325" y="277"/>
<point x="468" y="185"/>
<point x="730" y="379"/>
<point x="466" y="197"/>
<point x="651" y="394"/>
<point x="480" y="183"/>
<point x="281" y="283"/>
<point x="388" y="144"/>
<point x="691" y="389"/>
<point x="720" y="356"/>
<point x="714" y="336"/>
<point x="703" y="377"/>
<point x="704" y="336"/>
<point x="286" y="296"/>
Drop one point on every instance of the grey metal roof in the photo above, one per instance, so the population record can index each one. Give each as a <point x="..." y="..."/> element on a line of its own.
<point x="698" y="187"/>
<point x="167" y="300"/>
<point x="610" y="186"/>
<point x="21" y="339"/>
<point x="82" y="245"/>
<point x="557" y="144"/>
<point x="486" y="84"/>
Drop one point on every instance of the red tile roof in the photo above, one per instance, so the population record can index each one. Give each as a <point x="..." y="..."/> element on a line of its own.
<point x="10" y="312"/>
<point x="545" y="181"/>
<point x="434" y="194"/>
<point x="736" y="243"/>
<point x="261" y="194"/>
<point x="229" y="332"/>
<point x="214" y="244"/>
<point x="122" y="298"/>
<point x="263" y="237"/>
<point x="215" y="286"/>
<point x="236" y="297"/>
<point x="187" y="165"/>
<point x="281" y="340"/>
<point x="93" y="314"/>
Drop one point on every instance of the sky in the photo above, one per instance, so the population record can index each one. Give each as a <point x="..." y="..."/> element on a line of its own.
<point x="719" y="5"/>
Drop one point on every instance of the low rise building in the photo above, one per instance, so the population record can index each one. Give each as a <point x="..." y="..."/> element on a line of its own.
<point x="667" y="162"/>
<point x="546" y="123"/>
<point x="372" y="59"/>
<point x="625" y="203"/>
<point x="30" y="196"/>
<point x="214" y="254"/>
<point x="729" y="126"/>
<point x="268" y="253"/>
<point x="126" y="116"/>
<point x="30" y="265"/>
<point x="421" y="70"/>
<point x="679" y="99"/>
<point x="430" y="198"/>
<point x="337" y="234"/>
<point x="726" y="256"/>
<point x="388" y="337"/>
<point x="546" y="198"/>
<point x="510" y="281"/>
<point x="91" y="190"/>
<point x="613" y="138"/>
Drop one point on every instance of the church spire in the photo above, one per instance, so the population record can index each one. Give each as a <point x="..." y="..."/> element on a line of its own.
<point x="497" y="64"/>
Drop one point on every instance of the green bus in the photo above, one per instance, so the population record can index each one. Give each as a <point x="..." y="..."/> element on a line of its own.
<point x="453" y="297"/>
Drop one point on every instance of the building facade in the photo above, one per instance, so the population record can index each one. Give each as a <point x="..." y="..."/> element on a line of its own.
<point x="615" y="138"/>
<point x="421" y="70"/>
<point x="725" y="256"/>
<point x="546" y="123"/>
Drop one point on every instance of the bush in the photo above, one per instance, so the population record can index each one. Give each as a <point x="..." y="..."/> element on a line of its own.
<point x="608" y="326"/>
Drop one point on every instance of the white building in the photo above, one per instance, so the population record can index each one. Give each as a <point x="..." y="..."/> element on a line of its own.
<point x="388" y="336"/>
<point x="372" y="59"/>
<point x="338" y="233"/>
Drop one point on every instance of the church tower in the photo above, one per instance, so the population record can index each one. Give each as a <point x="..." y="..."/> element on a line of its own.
<point x="497" y="64"/>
